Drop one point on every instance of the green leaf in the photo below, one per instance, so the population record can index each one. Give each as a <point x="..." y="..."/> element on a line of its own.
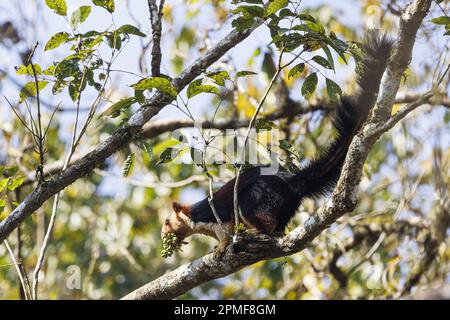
<point x="49" y="71"/>
<point x="158" y="83"/>
<point x="79" y="16"/>
<point x="317" y="27"/>
<point x="37" y="69"/>
<point x="4" y="183"/>
<point x="22" y="70"/>
<point x="284" y="144"/>
<point x="67" y="68"/>
<point x="114" y="40"/>
<point x="447" y="117"/>
<point x="119" y="105"/>
<point x="306" y="17"/>
<point x="245" y="73"/>
<point x="328" y="54"/>
<point x="297" y="70"/>
<point x="443" y="20"/>
<point x="59" y="6"/>
<point x="247" y="1"/>
<point x="197" y="87"/>
<point x="56" y="40"/>
<point x="263" y="124"/>
<point x="92" y="42"/>
<point x="107" y="4"/>
<point x="29" y="90"/>
<point x="128" y="165"/>
<point x="73" y="92"/>
<point x="2" y="205"/>
<point x="166" y="155"/>
<point x="276" y="5"/>
<point x="250" y="11"/>
<point x="339" y="46"/>
<point x="129" y="29"/>
<point x="147" y="152"/>
<point x="322" y="61"/>
<point x="219" y="77"/>
<point x="59" y="86"/>
<point x="286" y="13"/>
<point x="333" y="90"/>
<point x="242" y="23"/>
<point x="16" y="182"/>
<point x="310" y="85"/>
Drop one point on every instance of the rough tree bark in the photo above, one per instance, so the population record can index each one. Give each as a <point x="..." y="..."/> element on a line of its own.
<point x="343" y="199"/>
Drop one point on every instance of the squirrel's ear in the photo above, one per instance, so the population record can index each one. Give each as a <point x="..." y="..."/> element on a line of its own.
<point x="186" y="210"/>
<point x="176" y="206"/>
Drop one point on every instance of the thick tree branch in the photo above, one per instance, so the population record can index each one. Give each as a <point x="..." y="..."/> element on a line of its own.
<point x="343" y="199"/>
<point x="156" y="21"/>
<point x="121" y="137"/>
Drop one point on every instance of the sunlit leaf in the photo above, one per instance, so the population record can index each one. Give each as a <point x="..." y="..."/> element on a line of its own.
<point x="441" y="20"/>
<point x="56" y="40"/>
<point x="219" y="77"/>
<point x="107" y="4"/>
<point x="15" y="182"/>
<point x="196" y="87"/>
<point x="159" y="83"/>
<point x="30" y="90"/>
<point x="275" y="6"/>
<point x="121" y="104"/>
<point x="59" y="6"/>
<point x="296" y="71"/>
<point x="79" y="16"/>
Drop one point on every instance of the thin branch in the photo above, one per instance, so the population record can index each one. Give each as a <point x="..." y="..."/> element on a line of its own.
<point x="154" y="184"/>
<point x="40" y="136"/>
<point x="250" y="127"/>
<point x="19" y="270"/>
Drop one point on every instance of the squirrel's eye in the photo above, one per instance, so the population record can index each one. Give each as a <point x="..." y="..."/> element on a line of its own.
<point x="167" y="221"/>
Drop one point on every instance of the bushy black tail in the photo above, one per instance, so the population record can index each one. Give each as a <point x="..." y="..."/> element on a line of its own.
<point x="321" y="174"/>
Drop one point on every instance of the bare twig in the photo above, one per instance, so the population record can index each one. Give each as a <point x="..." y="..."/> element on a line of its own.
<point x="250" y="127"/>
<point x="26" y="289"/>
<point x="155" y="184"/>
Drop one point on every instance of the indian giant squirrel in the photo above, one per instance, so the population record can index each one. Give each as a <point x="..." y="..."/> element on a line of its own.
<point x="268" y="202"/>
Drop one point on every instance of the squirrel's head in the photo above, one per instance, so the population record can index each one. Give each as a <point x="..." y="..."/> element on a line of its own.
<point x="179" y="222"/>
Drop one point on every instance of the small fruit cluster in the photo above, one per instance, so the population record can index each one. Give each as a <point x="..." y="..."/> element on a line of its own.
<point x="170" y="244"/>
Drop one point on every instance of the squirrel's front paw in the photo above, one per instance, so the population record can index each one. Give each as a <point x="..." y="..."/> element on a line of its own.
<point x="219" y="251"/>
